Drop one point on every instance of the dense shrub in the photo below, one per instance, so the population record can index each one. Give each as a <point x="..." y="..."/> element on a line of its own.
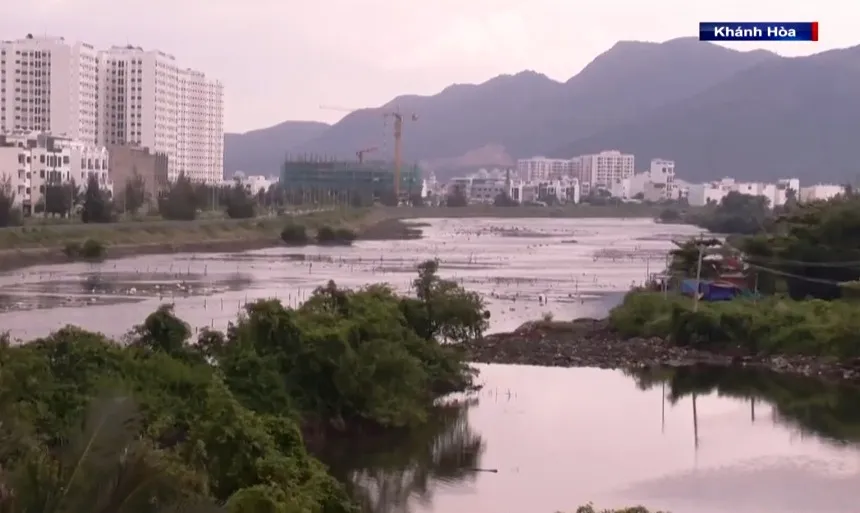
<point x="295" y="235"/>
<point x="329" y="236"/>
<point x="169" y="420"/>
<point x="91" y="249"/>
<point x="771" y="325"/>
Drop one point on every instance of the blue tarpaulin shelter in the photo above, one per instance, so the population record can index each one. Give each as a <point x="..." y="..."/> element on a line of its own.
<point x="711" y="290"/>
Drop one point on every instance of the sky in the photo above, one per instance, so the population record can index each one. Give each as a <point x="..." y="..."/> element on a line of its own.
<point x="282" y="59"/>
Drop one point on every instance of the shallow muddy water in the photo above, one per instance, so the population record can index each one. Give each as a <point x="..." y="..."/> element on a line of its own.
<point x="753" y="443"/>
<point x="579" y="267"/>
<point x="547" y="439"/>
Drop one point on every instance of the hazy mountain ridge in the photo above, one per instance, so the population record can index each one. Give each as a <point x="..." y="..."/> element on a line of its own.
<point x="261" y="152"/>
<point x="645" y="98"/>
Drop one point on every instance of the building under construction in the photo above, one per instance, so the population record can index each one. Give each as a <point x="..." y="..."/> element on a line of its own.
<point x="322" y="180"/>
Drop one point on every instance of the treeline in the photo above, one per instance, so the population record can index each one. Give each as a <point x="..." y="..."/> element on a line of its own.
<point x="183" y="200"/>
<point x="162" y="421"/>
<point x="802" y="274"/>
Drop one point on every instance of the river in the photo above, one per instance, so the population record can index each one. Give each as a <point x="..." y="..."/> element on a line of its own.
<point x="753" y="443"/>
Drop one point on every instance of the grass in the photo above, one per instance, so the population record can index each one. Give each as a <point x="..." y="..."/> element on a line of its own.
<point x="131" y="233"/>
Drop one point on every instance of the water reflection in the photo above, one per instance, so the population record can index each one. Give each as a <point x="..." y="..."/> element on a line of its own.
<point x="703" y="440"/>
<point x="814" y="407"/>
<point x="395" y="474"/>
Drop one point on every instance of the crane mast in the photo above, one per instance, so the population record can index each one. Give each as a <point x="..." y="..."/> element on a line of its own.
<point x="399" y="118"/>
<point x="398" y="142"/>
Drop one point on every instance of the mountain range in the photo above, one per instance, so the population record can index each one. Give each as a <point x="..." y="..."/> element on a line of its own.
<point x="715" y="111"/>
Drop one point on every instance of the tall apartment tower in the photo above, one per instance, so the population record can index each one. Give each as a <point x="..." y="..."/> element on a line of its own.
<point x="149" y="101"/>
<point x="200" y="137"/>
<point x="139" y="100"/>
<point x="49" y="85"/>
<point x="605" y="168"/>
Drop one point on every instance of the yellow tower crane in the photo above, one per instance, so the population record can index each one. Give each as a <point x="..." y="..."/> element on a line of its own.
<point x="398" y="117"/>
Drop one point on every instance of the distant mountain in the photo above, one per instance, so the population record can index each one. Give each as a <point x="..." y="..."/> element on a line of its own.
<point x="489" y="156"/>
<point x="797" y="117"/>
<point x="261" y="152"/>
<point x="716" y="111"/>
<point x="529" y="113"/>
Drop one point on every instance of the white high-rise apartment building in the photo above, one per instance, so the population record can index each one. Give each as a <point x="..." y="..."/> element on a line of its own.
<point x="605" y="168"/>
<point x="140" y="100"/>
<point x="49" y="85"/>
<point x="542" y="168"/>
<point x="124" y="95"/>
<point x="149" y="101"/>
<point x="200" y="135"/>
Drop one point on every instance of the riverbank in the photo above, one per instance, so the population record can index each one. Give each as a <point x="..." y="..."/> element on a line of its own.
<point x="594" y="343"/>
<point x="45" y="244"/>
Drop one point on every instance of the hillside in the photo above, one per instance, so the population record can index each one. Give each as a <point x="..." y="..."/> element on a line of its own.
<point x="783" y="118"/>
<point x="528" y="113"/>
<point x="716" y="111"/>
<point x="261" y="152"/>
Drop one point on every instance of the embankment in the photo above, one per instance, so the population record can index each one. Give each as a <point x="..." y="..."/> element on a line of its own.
<point x="593" y="343"/>
<point x="45" y="243"/>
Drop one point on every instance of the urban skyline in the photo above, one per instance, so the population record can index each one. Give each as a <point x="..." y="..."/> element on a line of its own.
<point x="115" y="96"/>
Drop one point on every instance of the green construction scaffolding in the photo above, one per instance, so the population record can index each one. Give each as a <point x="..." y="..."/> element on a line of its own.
<point x="312" y="180"/>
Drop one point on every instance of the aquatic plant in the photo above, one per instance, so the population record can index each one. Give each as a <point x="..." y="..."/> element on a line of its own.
<point x="223" y="418"/>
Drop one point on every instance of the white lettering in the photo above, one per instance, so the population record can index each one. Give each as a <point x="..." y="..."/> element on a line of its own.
<point x="725" y="32"/>
<point x="781" y="32"/>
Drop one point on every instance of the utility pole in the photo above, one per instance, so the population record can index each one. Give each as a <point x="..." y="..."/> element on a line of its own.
<point x="698" y="278"/>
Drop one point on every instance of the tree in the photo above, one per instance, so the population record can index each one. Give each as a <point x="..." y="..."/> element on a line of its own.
<point x="503" y="199"/>
<point x="179" y="202"/>
<point x="106" y="467"/>
<point x="240" y="204"/>
<point x="815" y="246"/>
<point x="670" y="215"/>
<point x="61" y="198"/>
<point x="134" y="193"/>
<point x="416" y="200"/>
<point x="457" y="198"/>
<point x="97" y="207"/>
<point x="10" y="214"/>
<point x="737" y="213"/>
<point x="388" y="198"/>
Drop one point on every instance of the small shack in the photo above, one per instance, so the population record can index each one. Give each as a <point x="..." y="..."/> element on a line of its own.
<point x="711" y="290"/>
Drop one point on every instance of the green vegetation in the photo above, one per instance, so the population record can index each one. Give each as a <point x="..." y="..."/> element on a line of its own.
<point x="295" y="235"/>
<point x="807" y="264"/>
<point x="90" y="250"/>
<point x="97" y="206"/>
<point x="158" y="421"/>
<point x="736" y="213"/>
<point x="772" y="325"/>
<point x="328" y="236"/>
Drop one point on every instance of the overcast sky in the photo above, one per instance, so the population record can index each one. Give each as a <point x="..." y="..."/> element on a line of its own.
<point x="282" y="59"/>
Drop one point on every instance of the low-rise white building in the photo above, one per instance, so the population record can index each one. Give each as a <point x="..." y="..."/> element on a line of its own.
<point x="484" y="190"/>
<point x="820" y="192"/>
<point x="702" y="194"/>
<point x="252" y="183"/>
<point x="656" y="184"/>
<point x="34" y="161"/>
<point x="713" y="192"/>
